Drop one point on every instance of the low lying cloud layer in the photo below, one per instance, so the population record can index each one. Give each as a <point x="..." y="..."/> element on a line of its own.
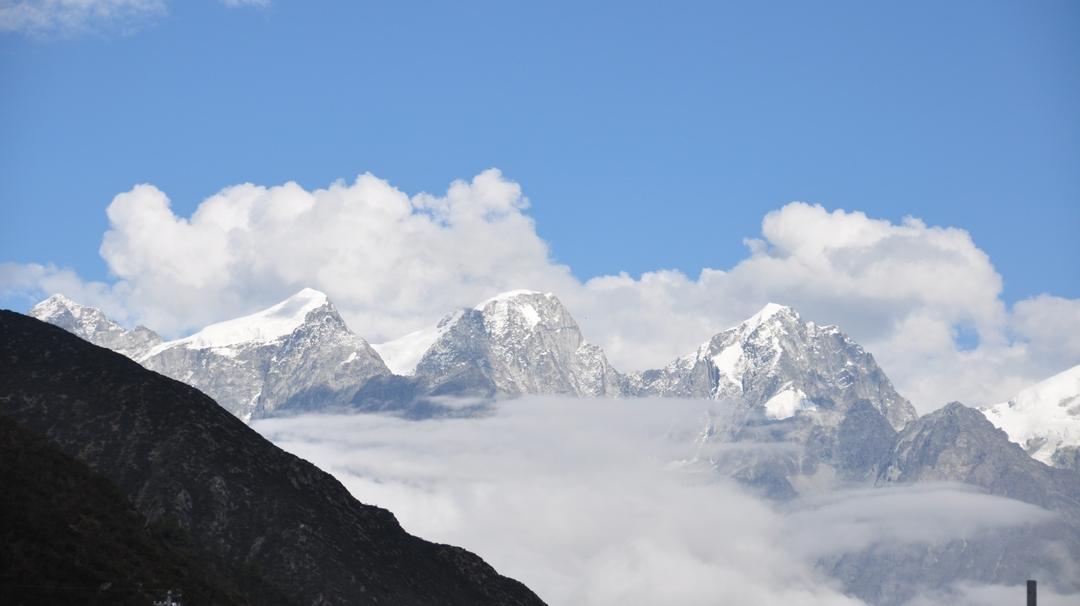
<point x="394" y="263"/>
<point x="600" y="502"/>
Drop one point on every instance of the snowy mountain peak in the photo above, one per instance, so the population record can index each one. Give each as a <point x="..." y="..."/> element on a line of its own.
<point x="766" y="313"/>
<point x="311" y="295"/>
<point x="264" y="326"/>
<point x="511" y="295"/>
<point x="93" y="325"/>
<point x="509" y="316"/>
<point x="777" y="362"/>
<point x="55" y="304"/>
<point x="524" y="311"/>
<point x="517" y="342"/>
<point x="58" y="305"/>
<point x="1044" y="419"/>
<point x="294" y="355"/>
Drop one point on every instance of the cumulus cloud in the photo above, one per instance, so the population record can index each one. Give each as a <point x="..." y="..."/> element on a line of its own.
<point x="388" y="260"/>
<point x="1049" y="326"/>
<point x="925" y="300"/>
<point x="72" y="16"/>
<point x="598" y="502"/>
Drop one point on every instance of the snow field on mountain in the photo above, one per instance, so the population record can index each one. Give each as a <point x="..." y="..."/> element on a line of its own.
<point x="1043" y="417"/>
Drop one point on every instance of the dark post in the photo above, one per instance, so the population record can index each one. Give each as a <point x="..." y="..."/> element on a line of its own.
<point x="1031" y="593"/>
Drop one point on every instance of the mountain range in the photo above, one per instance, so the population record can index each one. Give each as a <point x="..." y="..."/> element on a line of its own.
<point x="299" y="355"/>
<point x="778" y="380"/>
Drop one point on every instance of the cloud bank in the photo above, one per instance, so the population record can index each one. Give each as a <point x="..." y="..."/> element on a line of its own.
<point x="924" y="299"/>
<point x="598" y="502"/>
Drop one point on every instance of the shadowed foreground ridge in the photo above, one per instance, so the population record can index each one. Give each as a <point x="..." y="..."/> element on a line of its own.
<point x="182" y="460"/>
<point x="67" y="536"/>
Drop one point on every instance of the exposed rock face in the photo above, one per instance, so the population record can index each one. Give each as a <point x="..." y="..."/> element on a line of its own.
<point x="864" y="442"/>
<point x="180" y="458"/>
<point x="92" y="324"/>
<point x="1044" y="419"/>
<point x="296" y="355"/>
<point x="520" y="342"/>
<point x="782" y="365"/>
<point x="957" y="444"/>
<point x="784" y="459"/>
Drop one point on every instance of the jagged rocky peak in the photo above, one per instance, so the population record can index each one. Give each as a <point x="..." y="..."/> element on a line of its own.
<point x="298" y="354"/>
<point x="784" y="365"/>
<point x="517" y="342"/>
<point x="93" y="325"/>
<point x="518" y="315"/>
<point x="1044" y="419"/>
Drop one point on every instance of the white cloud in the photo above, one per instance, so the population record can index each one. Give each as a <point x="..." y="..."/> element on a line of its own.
<point x="27" y="281"/>
<point x="236" y="3"/>
<point x="901" y="290"/>
<point x="65" y="17"/>
<point x="394" y="263"/>
<point x="1050" y="326"/>
<point x="387" y="260"/>
<point x="598" y="502"/>
<point x="73" y="16"/>
<point x="848" y="521"/>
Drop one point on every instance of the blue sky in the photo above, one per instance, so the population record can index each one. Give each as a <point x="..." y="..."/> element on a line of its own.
<point x="647" y="136"/>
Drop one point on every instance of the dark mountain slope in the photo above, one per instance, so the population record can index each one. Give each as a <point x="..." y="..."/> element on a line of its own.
<point x="182" y="459"/>
<point x="67" y="536"/>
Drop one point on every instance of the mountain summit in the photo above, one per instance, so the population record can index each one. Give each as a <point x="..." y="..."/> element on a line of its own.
<point x="517" y="342"/>
<point x="92" y="324"/>
<point x="1045" y="419"/>
<point x="783" y="365"/>
<point x="295" y="355"/>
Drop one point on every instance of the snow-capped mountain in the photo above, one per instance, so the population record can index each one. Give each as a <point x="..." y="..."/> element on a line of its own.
<point x="518" y="342"/>
<point x="297" y="354"/>
<point x="1044" y="419"/>
<point x="92" y="325"/>
<point x="784" y="365"/>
